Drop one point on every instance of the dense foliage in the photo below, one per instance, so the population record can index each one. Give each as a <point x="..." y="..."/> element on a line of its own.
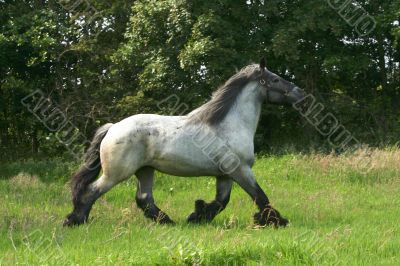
<point x="131" y="55"/>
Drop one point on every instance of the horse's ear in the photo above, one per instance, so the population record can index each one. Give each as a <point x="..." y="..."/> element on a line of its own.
<point x="262" y="63"/>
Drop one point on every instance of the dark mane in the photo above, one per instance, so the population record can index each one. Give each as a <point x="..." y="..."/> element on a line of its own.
<point x="222" y="100"/>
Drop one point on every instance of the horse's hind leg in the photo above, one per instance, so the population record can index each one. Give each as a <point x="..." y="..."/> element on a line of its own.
<point x="205" y="212"/>
<point x="84" y="202"/>
<point x="144" y="196"/>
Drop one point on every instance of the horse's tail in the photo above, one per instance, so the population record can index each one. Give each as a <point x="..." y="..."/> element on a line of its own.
<point x="91" y="166"/>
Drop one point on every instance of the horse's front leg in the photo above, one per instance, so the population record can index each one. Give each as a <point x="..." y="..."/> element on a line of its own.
<point x="205" y="212"/>
<point x="267" y="214"/>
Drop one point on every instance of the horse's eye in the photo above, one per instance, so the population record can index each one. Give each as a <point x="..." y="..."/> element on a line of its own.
<point x="276" y="80"/>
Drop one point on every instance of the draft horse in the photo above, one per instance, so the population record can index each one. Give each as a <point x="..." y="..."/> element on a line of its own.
<point x="216" y="139"/>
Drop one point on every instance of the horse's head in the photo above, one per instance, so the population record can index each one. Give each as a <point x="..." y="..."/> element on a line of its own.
<point x="278" y="90"/>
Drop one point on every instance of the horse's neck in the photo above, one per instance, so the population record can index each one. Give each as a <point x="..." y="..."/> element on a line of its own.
<point x="245" y="113"/>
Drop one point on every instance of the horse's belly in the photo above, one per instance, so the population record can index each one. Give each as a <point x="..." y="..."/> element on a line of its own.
<point x="184" y="155"/>
<point x="184" y="160"/>
<point x="185" y="167"/>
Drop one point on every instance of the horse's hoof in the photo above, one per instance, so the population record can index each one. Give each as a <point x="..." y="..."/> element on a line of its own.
<point x="199" y="212"/>
<point x="72" y="220"/>
<point x="66" y="222"/>
<point x="69" y="223"/>
<point x="283" y="222"/>
<point x="270" y="217"/>
<point x="164" y="219"/>
<point x="193" y="218"/>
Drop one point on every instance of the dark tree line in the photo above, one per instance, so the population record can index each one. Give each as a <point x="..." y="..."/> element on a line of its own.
<point x="100" y="61"/>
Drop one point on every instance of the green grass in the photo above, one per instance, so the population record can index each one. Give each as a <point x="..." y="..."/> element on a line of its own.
<point x="339" y="215"/>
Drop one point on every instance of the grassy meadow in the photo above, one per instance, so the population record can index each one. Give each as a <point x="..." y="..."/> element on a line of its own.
<point x="342" y="212"/>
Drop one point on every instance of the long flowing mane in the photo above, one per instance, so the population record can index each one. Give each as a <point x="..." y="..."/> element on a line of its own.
<point x="222" y="100"/>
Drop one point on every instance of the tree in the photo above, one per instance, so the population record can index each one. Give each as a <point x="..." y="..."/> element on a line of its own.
<point x="119" y="58"/>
